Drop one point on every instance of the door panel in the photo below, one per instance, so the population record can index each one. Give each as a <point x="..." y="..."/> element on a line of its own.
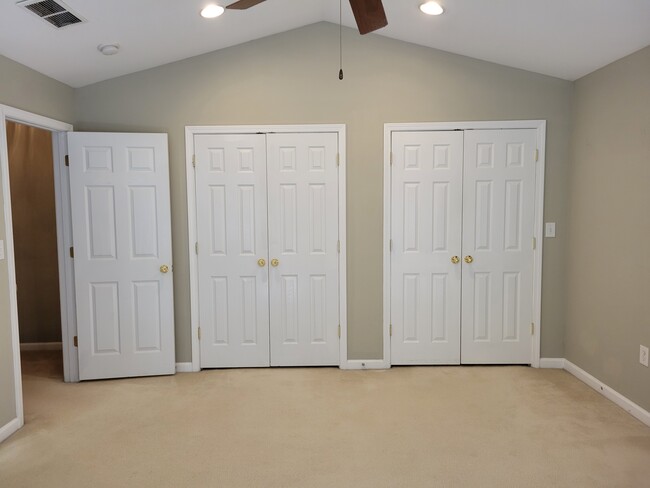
<point x="498" y="220"/>
<point x="303" y="235"/>
<point x="119" y="186"/>
<point x="426" y="234"/>
<point x="232" y="236"/>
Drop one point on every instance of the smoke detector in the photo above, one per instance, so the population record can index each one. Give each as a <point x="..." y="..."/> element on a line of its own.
<point x="53" y="12"/>
<point x="108" y="49"/>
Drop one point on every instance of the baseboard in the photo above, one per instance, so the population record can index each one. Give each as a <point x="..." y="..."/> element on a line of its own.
<point x="10" y="428"/>
<point x="551" y="363"/>
<point x="365" y="364"/>
<point x="41" y="346"/>
<point x="625" y="403"/>
<point x="184" y="368"/>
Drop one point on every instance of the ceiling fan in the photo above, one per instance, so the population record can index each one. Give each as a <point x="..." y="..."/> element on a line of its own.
<point x="369" y="14"/>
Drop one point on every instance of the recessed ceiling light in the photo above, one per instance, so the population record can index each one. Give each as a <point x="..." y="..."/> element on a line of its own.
<point x="212" y="11"/>
<point x="432" y="8"/>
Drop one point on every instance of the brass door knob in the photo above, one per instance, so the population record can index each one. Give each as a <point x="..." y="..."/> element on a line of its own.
<point x="275" y="263"/>
<point x="455" y="260"/>
<point x="164" y="268"/>
<point x="261" y="263"/>
<point x="469" y="259"/>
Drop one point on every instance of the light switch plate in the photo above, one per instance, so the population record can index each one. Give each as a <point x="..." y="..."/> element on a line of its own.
<point x="550" y="229"/>
<point x="2" y="250"/>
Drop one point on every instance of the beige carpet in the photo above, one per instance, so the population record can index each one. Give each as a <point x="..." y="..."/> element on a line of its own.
<point x="406" y="427"/>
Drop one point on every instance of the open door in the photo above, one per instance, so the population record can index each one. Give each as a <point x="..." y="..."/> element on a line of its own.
<point x="119" y="189"/>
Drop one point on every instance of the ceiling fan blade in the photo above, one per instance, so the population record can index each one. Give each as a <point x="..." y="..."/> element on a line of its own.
<point x="369" y="15"/>
<point x="244" y="4"/>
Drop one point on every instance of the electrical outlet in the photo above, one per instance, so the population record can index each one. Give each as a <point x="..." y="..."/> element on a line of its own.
<point x="643" y="356"/>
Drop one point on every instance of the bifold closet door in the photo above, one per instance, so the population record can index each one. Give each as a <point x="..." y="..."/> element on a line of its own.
<point x="303" y="235"/>
<point x="426" y="247"/>
<point x="498" y="225"/>
<point x="231" y="205"/>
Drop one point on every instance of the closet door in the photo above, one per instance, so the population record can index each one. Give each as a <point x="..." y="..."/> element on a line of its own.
<point x="499" y="203"/>
<point x="426" y="247"/>
<point x="232" y="250"/>
<point x="303" y="235"/>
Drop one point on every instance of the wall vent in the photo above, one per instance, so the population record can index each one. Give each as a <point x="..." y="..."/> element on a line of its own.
<point x="56" y="13"/>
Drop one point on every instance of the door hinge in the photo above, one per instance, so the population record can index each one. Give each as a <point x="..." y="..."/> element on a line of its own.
<point x="338" y="246"/>
<point x="199" y="333"/>
<point x="338" y="159"/>
<point x="390" y="330"/>
<point x="534" y="243"/>
<point x="196" y="248"/>
<point x="75" y="341"/>
<point x="72" y="252"/>
<point x="339" y="331"/>
<point x="194" y="160"/>
<point x="532" y="328"/>
<point x="536" y="155"/>
<point x="67" y="160"/>
<point x="390" y="245"/>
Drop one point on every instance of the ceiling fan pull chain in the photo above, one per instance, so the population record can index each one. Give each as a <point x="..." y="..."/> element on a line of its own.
<point x="340" y="39"/>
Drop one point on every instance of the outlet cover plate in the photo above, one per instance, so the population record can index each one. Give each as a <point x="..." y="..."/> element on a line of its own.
<point x="549" y="230"/>
<point x="643" y="356"/>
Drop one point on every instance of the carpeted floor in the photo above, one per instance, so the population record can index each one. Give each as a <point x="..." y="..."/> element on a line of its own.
<point x="322" y="427"/>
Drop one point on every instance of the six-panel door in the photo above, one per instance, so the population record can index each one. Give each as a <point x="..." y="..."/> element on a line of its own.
<point x="119" y="186"/>
<point x="498" y="219"/>
<point x="426" y="240"/>
<point x="303" y="241"/>
<point x="231" y="205"/>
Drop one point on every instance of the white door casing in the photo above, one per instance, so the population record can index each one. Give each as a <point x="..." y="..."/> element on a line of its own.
<point x="426" y="217"/>
<point x="119" y="186"/>
<point x="231" y="205"/>
<point x="303" y="239"/>
<point x="498" y="232"/>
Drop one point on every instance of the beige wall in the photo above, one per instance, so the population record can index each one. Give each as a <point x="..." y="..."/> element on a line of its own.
<point x="292" y="78"/>
<point x="608" y="267"/>
<point x="31" y="171"/>
<point x="23" y="88"/>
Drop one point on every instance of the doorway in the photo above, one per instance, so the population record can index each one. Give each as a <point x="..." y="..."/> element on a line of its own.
<point x="31" y="179"/>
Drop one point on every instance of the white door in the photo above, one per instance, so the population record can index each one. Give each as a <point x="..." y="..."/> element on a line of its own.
<point x="426" y="247"/>
<point x="232" y="239"/>
<point x="303" y="248"/>
<point x="498" y="224"/>
<point x="119" y="186"/>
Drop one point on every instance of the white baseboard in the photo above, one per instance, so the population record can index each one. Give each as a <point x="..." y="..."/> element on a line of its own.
<point x="41" y="346"/>
<point x="184" y="368"/>
<point x="625" y="403"/>
<point x="365" y="364"/>
<point x="551" y="363"/>
<point x="10" y="428"/>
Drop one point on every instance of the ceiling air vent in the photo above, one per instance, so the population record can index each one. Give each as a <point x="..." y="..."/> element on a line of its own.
<point x="56" y="13"/>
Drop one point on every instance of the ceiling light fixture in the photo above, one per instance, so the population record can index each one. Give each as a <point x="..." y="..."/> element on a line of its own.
<point x="108" y="49"/>
<point x="212" y="11"/>
<point x="432" y="8"/>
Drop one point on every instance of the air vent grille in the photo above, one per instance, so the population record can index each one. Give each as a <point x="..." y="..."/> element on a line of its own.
<point x="57" y="14"/>
<point x="43" y="9"/>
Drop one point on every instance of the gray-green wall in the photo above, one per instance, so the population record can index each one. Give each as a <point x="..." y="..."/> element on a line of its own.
<point x="23" y="88"/>
<point x="291" y="78"/>
<point x="608" y="265"/>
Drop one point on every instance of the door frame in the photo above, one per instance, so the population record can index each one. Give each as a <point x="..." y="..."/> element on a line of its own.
<point x="64" y="237"/>
<point x="540" y="127"/>
<point x="190" y="132"/>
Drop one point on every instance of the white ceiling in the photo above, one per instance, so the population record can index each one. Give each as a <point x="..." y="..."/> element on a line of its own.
<point x="562" y="38"/>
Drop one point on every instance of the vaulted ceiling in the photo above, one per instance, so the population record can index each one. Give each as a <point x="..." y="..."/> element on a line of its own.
<point x="562" y="38"/>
